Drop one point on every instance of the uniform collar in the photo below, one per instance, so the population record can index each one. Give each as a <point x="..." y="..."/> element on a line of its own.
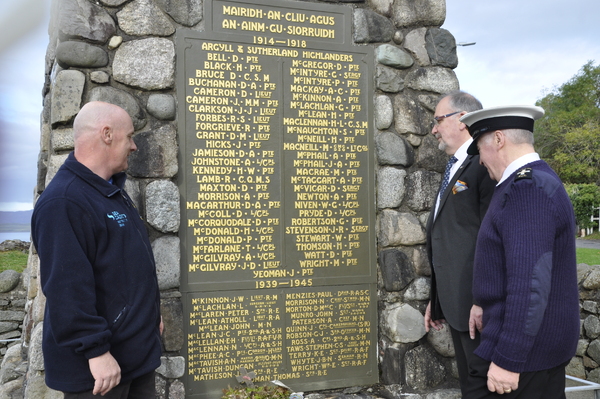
<point x="518" y="164"/>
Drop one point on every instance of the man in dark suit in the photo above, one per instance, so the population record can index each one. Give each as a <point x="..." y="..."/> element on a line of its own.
<point x="452" y="229"/>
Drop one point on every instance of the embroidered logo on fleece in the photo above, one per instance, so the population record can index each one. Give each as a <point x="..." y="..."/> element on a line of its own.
<point x="120" y="218"/>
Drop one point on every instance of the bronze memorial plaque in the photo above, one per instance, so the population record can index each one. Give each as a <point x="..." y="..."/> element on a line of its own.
<point x="276" y="176"/>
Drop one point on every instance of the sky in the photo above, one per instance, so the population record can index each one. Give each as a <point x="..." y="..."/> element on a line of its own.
<point x="23" y="43"/>
<point x="524" y="49"/>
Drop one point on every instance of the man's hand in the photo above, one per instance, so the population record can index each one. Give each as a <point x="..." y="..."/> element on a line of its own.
<point x="106" y="372"/>
<point x="475" y="320"/>
<point x="501" y="381"/>
<point x="436" y="324"/>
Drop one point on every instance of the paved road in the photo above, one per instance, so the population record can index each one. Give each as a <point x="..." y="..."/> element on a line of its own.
<point x="587" y="243"/>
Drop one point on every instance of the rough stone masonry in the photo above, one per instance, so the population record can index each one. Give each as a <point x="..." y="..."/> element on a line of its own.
<point x="123" y="52"/>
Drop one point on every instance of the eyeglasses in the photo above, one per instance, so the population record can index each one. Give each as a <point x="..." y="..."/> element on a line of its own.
<point x="438" y="119"/>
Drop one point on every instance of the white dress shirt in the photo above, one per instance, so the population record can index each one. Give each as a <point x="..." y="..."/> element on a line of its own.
<point x="518" y="164"/>
<point x="461" y="155"/>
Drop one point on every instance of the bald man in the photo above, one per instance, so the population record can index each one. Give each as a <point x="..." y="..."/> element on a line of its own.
<point x="102" y="320"/>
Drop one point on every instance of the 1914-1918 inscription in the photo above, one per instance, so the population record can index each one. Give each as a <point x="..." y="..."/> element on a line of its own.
<point x="276" y="177"/>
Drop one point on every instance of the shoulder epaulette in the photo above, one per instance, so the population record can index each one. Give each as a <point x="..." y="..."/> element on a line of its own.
<point x="525" y="173"/>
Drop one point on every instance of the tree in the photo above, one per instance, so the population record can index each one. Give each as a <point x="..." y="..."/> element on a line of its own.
<point x="577" y="159"/>
<point x="568" y="136"/>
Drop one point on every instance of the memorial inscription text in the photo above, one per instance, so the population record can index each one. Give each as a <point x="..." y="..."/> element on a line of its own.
<point x="276" y="177"/>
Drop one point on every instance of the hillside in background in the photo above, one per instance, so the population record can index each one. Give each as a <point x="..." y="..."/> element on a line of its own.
<point x="15" y="221"/>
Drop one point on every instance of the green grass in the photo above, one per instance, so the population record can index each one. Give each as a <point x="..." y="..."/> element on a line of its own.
<point x="589" y="256"/>
<point x="15" y="260"/>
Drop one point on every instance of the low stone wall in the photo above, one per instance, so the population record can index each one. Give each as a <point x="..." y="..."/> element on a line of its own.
<point x="12" y="302"/>
<point x="14" y="245"/>
<point x="12" y="312"/>
<point x="12" y="309"/>
<point x="586" y="364"/>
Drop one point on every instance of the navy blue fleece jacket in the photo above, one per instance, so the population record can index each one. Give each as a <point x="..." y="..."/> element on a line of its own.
<point x="99" y="278"/>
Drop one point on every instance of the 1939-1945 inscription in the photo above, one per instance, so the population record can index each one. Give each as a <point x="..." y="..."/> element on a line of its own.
<point x="276" y="177"/>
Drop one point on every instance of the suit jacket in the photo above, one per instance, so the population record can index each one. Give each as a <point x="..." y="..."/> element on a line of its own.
<point x="451" y="239"/>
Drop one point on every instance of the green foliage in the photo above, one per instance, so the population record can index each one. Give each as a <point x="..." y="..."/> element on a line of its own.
<point x="584" y="197"/>
<point x="264" y="392"/>
<point x="15" y="260"/>
<point x="568" y="136"/>
<point x="577" y="160"/>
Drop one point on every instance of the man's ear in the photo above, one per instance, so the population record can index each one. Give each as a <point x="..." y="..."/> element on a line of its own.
<point x="107" y="135"/>
<point x="499" y="139"/>
<point x="461" y="125"/>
